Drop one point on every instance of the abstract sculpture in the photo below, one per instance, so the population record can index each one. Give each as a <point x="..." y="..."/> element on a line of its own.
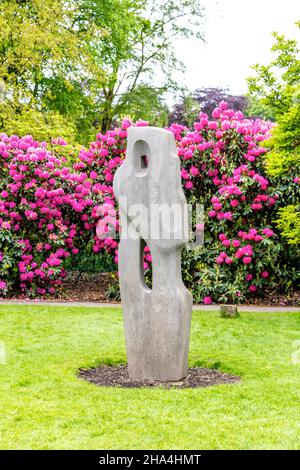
<point x="157" y="320"/>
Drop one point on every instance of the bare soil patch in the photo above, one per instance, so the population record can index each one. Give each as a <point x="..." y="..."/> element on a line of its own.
<point x="117" y="376"/>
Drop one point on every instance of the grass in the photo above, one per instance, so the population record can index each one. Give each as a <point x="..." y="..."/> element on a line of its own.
<point x="43" y="405"/>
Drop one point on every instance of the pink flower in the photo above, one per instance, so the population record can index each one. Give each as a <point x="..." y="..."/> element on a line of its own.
<point x="228" y="215"/>
<point x="94" y="175"/>
<point x="78" y="207"/>
<point x="268" y="232"/>
<point x="110" y="141"/>
<point x="188" y="185"/>
<point x="236" y="243"/>
<point x="222" y="237"/>
<point x="249" y="277"/>
<point x="256" y="206"/>
<point x="214" y="200"/>
<point x="142" y="123"/>
<point x="188" y="154"/>
<point x="247" y="260"/>
<point x="184" y="174"/>
<point x="252" y="288"/>
<point x="194" y="171"/>
<point x="265" y="274"/>
<point x="103" y="152"/>
<point x="212" y="214"/>
<point x="213" y="125"/>
<point x="207" y="300"/>
<point x="223" y="105"/>
<point x="234" y="203"/>
<point x="217" y="206"/>
<point x="225" y="125"/>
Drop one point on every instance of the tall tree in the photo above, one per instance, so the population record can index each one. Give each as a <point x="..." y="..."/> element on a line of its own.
<point x="206" y="100"/>
<point x="274" y="84"/>
<point x="46" y="66"/>
<point x="277" y="87"/>
<point x="79" y="65"/>
<point x="139" y="56"/>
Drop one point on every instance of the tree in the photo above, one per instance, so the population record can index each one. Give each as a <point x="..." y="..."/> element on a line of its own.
<point x="283" y="164"/>
<point x="258" y="110"/>
<point x="206" y="100"/>
<point x="83" y="64"/>
<point x="185" y="112"/>
<point x="146" y="103"/>
<point x="46" y="67"/>
<point x="210" y="98"/>
<point x="139" y="60"/>
<point x="277" y="87"/>
<point x="274" y="84"/>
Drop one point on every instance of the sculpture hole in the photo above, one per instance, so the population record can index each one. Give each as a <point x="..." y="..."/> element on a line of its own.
<point x="144" y="161"/>
<point x="141" y="156"/>
<point x="146" y="260"/>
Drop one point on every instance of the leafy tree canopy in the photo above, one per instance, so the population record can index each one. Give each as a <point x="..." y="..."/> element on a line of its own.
<point x="276" y="84"/>
<point x="82" y="64"/>
<point x="277" y="87"/>
<point x="206" y="100"/>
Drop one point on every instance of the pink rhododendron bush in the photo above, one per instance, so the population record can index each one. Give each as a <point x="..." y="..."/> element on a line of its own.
<point x="49" y="210"/>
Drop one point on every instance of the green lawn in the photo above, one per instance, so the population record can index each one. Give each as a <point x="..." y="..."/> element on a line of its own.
<point x="43" y="405"/>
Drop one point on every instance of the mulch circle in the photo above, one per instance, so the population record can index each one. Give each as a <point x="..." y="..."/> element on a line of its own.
<point x="117" y="376"/>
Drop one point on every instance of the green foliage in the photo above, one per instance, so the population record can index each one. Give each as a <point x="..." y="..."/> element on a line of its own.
<point x="88" y="261"/>
<point x="113" y="291"/>
<point x="277" y="87"/>
<point x="43" y="126"/>
<point x="139" y="56"/>
<point x="46" y="67"/>
<point x="146" y="104"/>
<point x="289" y="223"/>
<point x="186" y="111"/>
<point x="257" y="109"/>
<point x="275" y="84"/>
<point x="68" y="68"/>
<point x="283" y="164"/>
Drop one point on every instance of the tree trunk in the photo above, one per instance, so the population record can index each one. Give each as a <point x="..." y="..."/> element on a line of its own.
<point x="106" y="118"/>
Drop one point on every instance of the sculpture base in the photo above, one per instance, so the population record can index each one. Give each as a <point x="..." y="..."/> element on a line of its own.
<point x="117" y="376"/>
<point x="157" y="335"/>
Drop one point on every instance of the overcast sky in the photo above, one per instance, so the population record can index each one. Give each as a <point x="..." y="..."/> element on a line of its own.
<point x="238" y="35"/>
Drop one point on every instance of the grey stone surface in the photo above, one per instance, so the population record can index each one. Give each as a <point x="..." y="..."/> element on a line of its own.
<point x="157" y="320"/>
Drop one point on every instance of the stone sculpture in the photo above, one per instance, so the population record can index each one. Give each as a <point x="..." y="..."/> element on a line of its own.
<point x="157" y="320"/>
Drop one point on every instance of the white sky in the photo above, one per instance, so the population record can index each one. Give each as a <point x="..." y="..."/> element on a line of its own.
<point x="238" y="35"/>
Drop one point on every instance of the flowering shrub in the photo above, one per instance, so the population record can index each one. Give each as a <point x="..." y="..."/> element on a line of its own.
<point x="47" y="213"/>
<point x="223" y="168"/>
<point x="49" y="210"/>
